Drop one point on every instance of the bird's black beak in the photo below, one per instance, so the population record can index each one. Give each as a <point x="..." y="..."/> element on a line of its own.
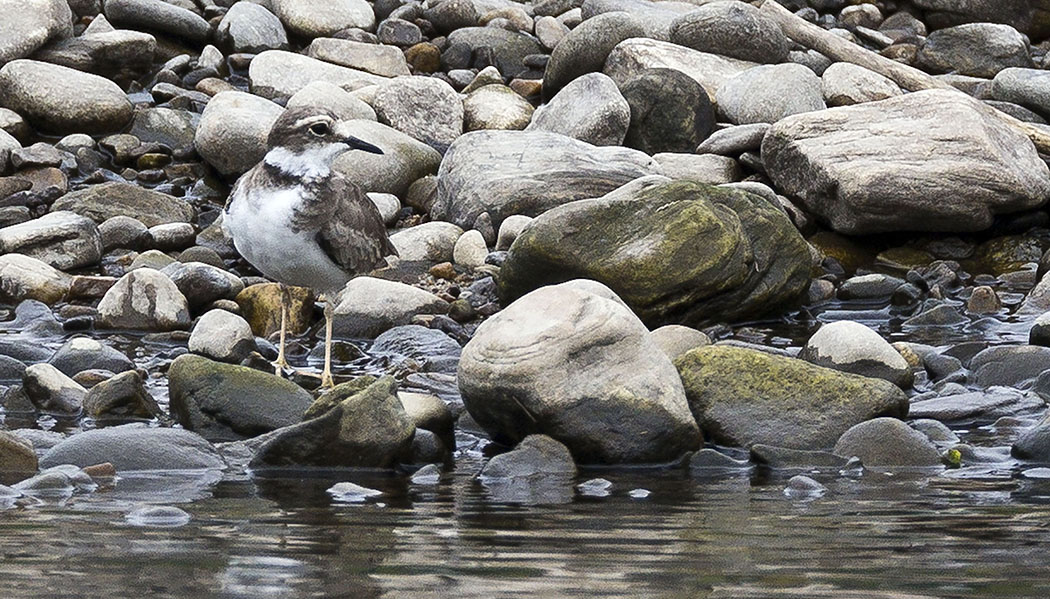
<point x="358" y="144"/>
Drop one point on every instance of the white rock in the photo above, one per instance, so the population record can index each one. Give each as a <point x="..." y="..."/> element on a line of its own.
<point x="334" y="98"/>
<point x="509" y="230"/>
<point x="232" y="131"/>
<point x="388" y="204"/>
<point x="22" y="277"/>
<point x="852" y="347"/>
<point x="675" y="339"/>
<point x="315" y="18"/>
<point x="277" y="74"/>
<point x="433" y="241"/>
<point x="470" y="249"/>
<point x="222" y="336"/>
<point x="844" y="83"/>
<point x="65" y="240"/>
<point x="380" y="59"/>
<point x="144" y="299"/>
<point x="368" y="306"/>
<point x="52" y="391"/>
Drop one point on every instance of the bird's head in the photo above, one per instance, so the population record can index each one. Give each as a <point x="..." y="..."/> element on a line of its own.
<point x="306" y="140"/>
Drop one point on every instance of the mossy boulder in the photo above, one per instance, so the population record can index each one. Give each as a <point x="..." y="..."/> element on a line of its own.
<point x="743" y="396"/>
<point x="225" y="402"/>
<point x="261" y="306"/>
<point x="674" y="251"/>
<point x="367" y="429"/>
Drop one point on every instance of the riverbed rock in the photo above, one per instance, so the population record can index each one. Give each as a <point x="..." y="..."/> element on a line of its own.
<point x="121" y="397"/>
<point x="202" y="284"/>
<point x="403" y="161"/>
<point x="102" y="53"/>
<point x="656" y="17"/>
<point x="51" y="391"/>
<point x="733" y="29"/>
<point x="1009" y="365"/>
<point x="978" y="406"/>
<point x="18" y="461"/>
<point x="534" y="456"/>
<point x="222" y="336"/>
<point x="345" y="106"/>
<point x="527" y="172"/>
<point x="108" y="200"/>
<point x="1034" y="443"/>
<point x="670" y="112"/>
<point x="29" y="24"/>
<point x="508" y="48"/>
<point x="433" y="241"/>
<point x="545" y="365"/>
<point x="134" y="447"/>
<point x="426" y="108"/>
<point x="495" y="106"/>
<point x="590" y="108"/>
<point x="430" y="412"/>
<point x="868" y="180"/>
<point x="675" y="339"/>
<point x="744" y="396"/>
<point x="249" y="27"/>
<point x="633" y="56"/>
<point x="160" y="17"/>
<point x="144" y="299"/>
<point x="974" y="49"/>
<point x="280" y="74"/>
<point x="232" y="131"/>
<point x="64" y="240"/>
<point x="23" y="277"/>
<point x="84" y="353"/>
<point x="751" y="259"/>
<point x="225" y="402"/>
<point x="1027" y="87"/>
<point x="260" y="305"/>
<point x="768" y="93"/>
<point x="845" y="84"/>
<point x="380" y="59"/>
<point x="888" y="442"/>
<point x="365" y="429"/>
<point x="367" y="306"/>
<point x="586" y="47"/>
<point x="318" y="18"/>
<point x="852" y="347"/>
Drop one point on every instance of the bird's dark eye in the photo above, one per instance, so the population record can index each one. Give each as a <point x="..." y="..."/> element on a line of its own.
<point x="319" y="129"/>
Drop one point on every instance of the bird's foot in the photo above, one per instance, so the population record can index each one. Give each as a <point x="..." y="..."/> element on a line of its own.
<point x="326" y="380"/>
<point x="281" y="365"/>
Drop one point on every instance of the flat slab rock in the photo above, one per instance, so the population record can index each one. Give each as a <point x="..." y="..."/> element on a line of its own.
<point x="933" y="160"/>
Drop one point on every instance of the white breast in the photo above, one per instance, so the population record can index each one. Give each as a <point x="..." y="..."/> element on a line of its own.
<point x="260" y="225"/>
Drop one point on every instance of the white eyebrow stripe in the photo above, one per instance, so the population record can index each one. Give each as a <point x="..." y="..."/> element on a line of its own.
<point x="309" y="120"/>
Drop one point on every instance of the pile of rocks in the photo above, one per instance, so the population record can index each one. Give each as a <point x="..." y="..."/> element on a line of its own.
<point x="574" y="189"/>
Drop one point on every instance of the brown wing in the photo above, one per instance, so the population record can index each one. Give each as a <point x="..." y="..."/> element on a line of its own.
<point x="353" y="234"/>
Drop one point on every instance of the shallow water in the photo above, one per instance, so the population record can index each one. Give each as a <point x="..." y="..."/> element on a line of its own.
<point x="284" y="537"/>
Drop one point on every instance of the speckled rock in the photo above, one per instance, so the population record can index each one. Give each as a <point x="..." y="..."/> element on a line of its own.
<point x="108" y="200"/>
<point x="222" y="336"/>
<point x="743" y="396"/>
<point x="368" y="306"/>
<point x="23" y="277"/>
<point x="144" y="299"/>
<point x="590" y="108"/>
<point x="232" y="131"/>
<point x="317" y="18"/>
<point x="64" y="240"/>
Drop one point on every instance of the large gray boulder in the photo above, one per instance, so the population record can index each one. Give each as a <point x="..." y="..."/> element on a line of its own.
<point x="670" y="112"/>
<point x="403" y="161"/>
<point x="62" y="100"/>
<point x="590" y="108"/>
<point x="734" y="29"/>
<point x="232" y="131"/>
<point x="249" y="27"/>
<point x="64" y="240"/>
<point x="633" y="56"/>
<point x="586" y="47"/>
<point x="572" y="362"/>
<point x="888" y="443"/>
<point x="425" y="108"/>
<point x="930" y="161"/>
<point x="364" y="429"/>
<point x="135" y="447"/>
<point x="368" y="306"/>
<point x="975" y="49"/>
<point x="655" y="17"/>
<point x="160" y="17"/>
<point x="107" y="200"/>
<point x="1027" y="87"/>
<point x="317" y="18"/>
<point x="29" y="24"/>
<point x="225" y="402"/>
<point x="279" y="74"/>
<point x="22" y="278"/>
<point x="503" y="173"/>
<point x="768" y="93"/>
<point x="744" y="396"/>
<point x="102" y="53"/>
<point x="676" y="252"/>
<point x="381" y="59"/>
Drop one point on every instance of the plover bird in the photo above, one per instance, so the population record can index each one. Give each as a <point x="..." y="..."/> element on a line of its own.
<point x="300" y="223"/>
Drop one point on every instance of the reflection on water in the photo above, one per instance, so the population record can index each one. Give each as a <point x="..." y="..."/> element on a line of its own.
<point x="979" y="535"/>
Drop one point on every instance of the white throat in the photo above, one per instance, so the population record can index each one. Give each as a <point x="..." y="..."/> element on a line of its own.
<point x="312" y="163"/>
